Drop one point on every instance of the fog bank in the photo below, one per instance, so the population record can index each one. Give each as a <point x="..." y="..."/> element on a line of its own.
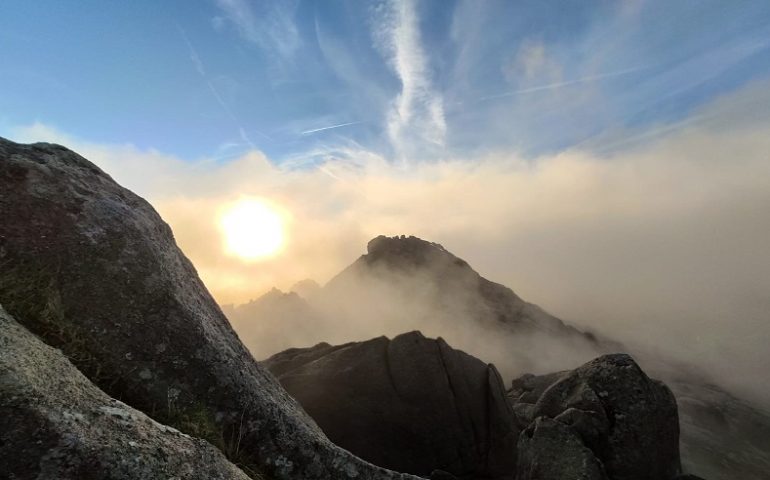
<point x="656" y="237"/>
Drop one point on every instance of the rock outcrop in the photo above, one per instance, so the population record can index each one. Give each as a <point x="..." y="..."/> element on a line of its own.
<point x="417" y="405"/>
<point x="92" y="269"/>
<point x="57" y="425"/>
<point x="411" y="404"/>
<point x="628" y="421"/>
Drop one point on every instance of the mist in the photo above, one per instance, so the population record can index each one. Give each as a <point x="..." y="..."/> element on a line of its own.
<point x="360" y="304"/>
<point x="658" y="238"/>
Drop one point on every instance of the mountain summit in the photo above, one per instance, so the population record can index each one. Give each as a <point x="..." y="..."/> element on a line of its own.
<point x="414" y="265"/>
<point x="406" y="250"/>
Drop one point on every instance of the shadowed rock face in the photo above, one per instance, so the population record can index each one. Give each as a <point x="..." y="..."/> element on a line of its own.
<point x="626" y="419"/>
<point x="551" y="450"/>
<point x="418" y="405"/>
<point x="92" y="269"/>
<point x="55" y="424"/>
<point x="411" y="404"/>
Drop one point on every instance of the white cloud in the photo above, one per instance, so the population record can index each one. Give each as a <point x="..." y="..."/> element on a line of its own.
<point x="269" y="25"/>
<point x="416" y="117"/>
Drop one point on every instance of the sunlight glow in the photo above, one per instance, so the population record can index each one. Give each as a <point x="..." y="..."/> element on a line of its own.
<point x="253" y="229"/>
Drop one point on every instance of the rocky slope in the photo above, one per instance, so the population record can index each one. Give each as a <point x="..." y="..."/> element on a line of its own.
<point x="55" y="424"/>
<point x="91" y="268"/>
<point x="405" y="283"/>
<point x="721" y="433"/>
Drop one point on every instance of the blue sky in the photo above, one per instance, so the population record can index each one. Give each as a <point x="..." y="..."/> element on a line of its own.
<point x="409" y="81"/>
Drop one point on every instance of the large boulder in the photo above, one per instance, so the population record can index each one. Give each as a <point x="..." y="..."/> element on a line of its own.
<point x="55" y="424"/>
<point x="629" y="421"/>
<point x="93" y="270"/>
<point x="412" y="404"/>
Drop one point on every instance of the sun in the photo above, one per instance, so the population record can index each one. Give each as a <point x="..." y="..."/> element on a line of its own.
<point x="253" y="229"/>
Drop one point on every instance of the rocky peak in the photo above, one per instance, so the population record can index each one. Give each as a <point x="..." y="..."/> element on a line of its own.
<point x="406" y="251"/>
<point x="410" y="264"/>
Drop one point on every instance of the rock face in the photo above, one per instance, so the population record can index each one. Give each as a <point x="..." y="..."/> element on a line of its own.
<point x="551" y="450"/>
<point x="55" y="424"/>
<point x="628" y="421"/>
<point x="93" y="270"/>
<point x="411" y="404"/>
<point x="417" y="405"/>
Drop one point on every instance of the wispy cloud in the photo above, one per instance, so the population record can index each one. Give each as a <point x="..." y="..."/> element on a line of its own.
<point x="416" y="117"/>
<point x="269" y="25"/>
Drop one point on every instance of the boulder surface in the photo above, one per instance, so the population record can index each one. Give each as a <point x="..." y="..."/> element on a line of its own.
<point x="551" y="450"/>
<point x="55" y="424"/>
<point x="629" y="421"/>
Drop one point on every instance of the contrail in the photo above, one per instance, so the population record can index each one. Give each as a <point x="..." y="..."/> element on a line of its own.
<point x="308" y="132"/>
<point x="564" y="84"/>
<point x="198" y="63"/>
